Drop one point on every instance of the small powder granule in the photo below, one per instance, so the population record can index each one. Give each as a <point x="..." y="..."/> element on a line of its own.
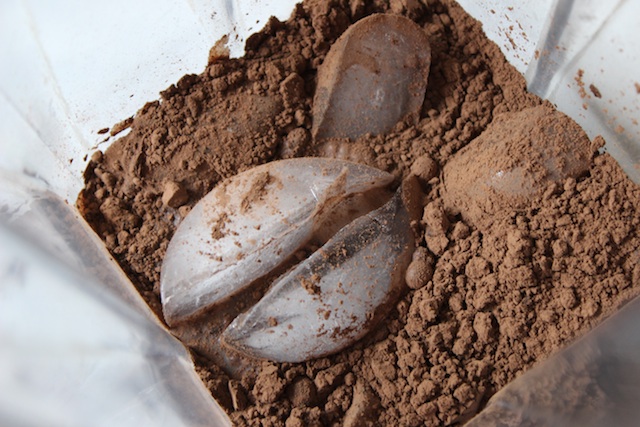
<point x="483" y="307"/>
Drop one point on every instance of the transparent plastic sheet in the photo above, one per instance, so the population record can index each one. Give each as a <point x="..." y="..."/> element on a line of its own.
<point x="588" y="64"/>
<point x="565" y="46"/>
<point x="594" y="382"/>
<point x="78" y="343"/>
<point x="81" y="346"/>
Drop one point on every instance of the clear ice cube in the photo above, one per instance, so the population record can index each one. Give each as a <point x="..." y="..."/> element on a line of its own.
<point x="374" y="75"/>
<point x="335" y="296"/>
<point x="250" y="224"/>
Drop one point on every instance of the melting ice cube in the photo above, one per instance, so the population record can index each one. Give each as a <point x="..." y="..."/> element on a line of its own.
<point x="253" y="222"/>
<point x="374" y="75"/>
<point x="334" y="297"/>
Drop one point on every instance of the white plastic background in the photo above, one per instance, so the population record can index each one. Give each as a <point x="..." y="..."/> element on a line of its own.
<point x="68" y="346"/>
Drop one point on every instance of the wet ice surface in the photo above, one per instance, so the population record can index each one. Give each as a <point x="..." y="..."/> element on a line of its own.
<point x="378" y="68"/>
<point x="327" y="302"/>
<point x="251" y="223"/>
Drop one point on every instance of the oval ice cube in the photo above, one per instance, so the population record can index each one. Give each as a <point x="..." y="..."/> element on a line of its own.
<point x="335" y="296"/>
<point x="374" y="75"/>
<point x="250" y="224"/>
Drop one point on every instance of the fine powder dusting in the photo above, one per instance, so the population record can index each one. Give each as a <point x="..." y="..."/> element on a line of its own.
<point x="483" y="304"/>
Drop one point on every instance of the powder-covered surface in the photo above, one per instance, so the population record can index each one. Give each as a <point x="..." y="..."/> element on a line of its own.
<point x="482" y="306"/>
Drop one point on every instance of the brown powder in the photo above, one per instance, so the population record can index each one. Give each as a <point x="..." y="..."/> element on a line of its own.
<point x="483" y="305"/>
<point x="595" y="91"/>
<point x="257" y="191"/>
<point x="581" y="87"/>
<point x="311" y="285"/>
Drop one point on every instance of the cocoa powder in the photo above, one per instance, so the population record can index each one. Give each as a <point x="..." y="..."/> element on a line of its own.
<point x="483" y="305"/>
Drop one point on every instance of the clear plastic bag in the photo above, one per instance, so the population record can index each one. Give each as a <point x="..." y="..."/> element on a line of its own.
<point x="594" y="382"/>
<point x="80" y="347"/>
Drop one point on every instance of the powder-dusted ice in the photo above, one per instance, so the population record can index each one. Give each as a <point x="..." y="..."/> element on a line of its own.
<point x="373" y="76"/>
<point x="512" y="161"/>
<point x="251" y="223"/>
<point x="334" y="297"/>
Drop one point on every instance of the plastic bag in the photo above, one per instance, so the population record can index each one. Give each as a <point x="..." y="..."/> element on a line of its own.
<point x="594" y="382"/>
<point x="79" y="347"/>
